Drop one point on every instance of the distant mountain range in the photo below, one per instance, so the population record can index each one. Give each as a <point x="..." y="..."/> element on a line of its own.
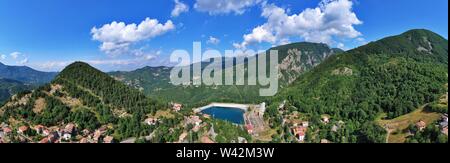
<point x="25" y="74"/>
<point x="14" y="79"/>
<point x="294" y="60"/>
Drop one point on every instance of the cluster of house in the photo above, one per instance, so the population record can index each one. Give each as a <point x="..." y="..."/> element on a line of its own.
<point x="5" y="131"/>
<point x="195" y="121"/>
<point x="68" y="133"/>
<point x="197" y="124"/>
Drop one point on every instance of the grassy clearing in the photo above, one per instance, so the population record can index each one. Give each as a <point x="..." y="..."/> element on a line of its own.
<point x="397" y="127"/>
<point x="164" y="113"/>
<point x="39" y="105"/>
<point x="266" y="135"/>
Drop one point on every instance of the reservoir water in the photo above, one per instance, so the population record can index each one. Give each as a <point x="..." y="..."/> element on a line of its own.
<point x="234" y="115"/>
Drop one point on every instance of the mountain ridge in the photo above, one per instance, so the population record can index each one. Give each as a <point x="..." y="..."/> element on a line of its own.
<point x="294" y="58"/>
<point x="25" y="74"/>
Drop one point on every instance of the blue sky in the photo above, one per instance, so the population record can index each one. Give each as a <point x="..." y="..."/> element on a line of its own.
<point x="49" y="34"/>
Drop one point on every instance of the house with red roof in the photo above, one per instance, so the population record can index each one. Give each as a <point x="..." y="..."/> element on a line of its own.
<point x="177" y="107"/>
<point x="108" y="139"/>
<point x="300" y="132"/>
<point x="44" y="141"/>
<point x="249" y="128"/>
<point x="39" y="129"/>
<point x="421" y="125"/>
<point x="7" y="130"/>
<point x="22" y="129"/>
<point x="70" y="128"/>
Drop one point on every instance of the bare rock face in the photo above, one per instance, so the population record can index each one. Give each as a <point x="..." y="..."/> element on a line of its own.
<point x="299" y="61"/>
<point x="344" y="71"/>
<point x="426" y="49"/>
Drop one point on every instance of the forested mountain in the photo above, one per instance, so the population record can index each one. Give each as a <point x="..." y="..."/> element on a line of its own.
<point x="86" y="96"/>
<point x="9" y="87"/>
<point x="294" y="60"/>
<point x="394" y="76"/>
<point x="25" y="74"/>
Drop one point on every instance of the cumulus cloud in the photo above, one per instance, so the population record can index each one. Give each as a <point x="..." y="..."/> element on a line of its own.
<point x="2" y="56"/>
<point x="53" y="65"/>
<point x="214" y="7"/>
<point x="117" y="37"/>
<point x="331" y="19"/>
<point x="213" y="40"/>
<point x="15" y="55"/>
<point x="180" y="8"/>
<point x="341" y="46"/>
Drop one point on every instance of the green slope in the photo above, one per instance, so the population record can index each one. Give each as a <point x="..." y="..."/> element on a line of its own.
<point x="10" y="87"/>
<point x="395" y="75"/>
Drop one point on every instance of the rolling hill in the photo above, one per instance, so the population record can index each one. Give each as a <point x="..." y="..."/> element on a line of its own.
<point x="87" y="97"/>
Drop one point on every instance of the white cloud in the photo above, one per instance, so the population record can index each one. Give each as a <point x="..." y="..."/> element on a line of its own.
<point x="2" y="57"/>
<point x="23" y="61"/>
<point x="331" y="19"/>
<point x="53" y="65"/>
<point x="117" y="37"/>
<point x="59" y="65"/>
<point x="215" y="7"/>
<point x="341" y="46"/>
<point x="180" y="8"/>
<point x="15" y="55"/>
<point x="361" y="41"/>
<point x="109" y="64"/>
<point x="158" y="52"/>
<point x="213" y="40"/>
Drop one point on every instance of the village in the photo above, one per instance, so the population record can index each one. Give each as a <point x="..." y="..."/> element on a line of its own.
<point x="194" y="122"/>
<point x="42" y="134"/>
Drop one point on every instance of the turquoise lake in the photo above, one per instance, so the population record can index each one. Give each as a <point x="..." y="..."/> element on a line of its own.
<point x="234" y="115"/>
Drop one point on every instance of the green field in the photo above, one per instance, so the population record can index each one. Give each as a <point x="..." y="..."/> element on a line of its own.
<point x="397" y="127"/>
